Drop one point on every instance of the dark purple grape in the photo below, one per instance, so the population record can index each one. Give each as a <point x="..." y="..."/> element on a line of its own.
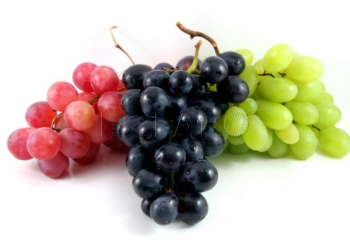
<point x="138" y="158"/>
<point x="131" y="102"/>
<point x="178" y="103"/>
<point x="210" y="108"/>
<point x="153" y="133"/>
<point x="163" y="66"/>
<point x="126" y="129"/>
<point x="155" y="102"/>
<point x="213" y="69"/>
<point x="180" y="82"/>
<point x="212" y="141"/>
<point x="199" y="176"/>
<point x="146" y="205"/>
<point x="164" y="209"/>
<point x="185" y="62"/>
<point x="199" y="87"/>
<point x="232" y="89"/>
<point x="158" y="78"/>
<point x="170" y="157"/>
<point x="234" y="61"/>
<point x="191" y="121"/>
<point x="149" y="183"/>
<point x="192" y="207"/>
<point x="133" y="76"/>
<point x="193" y="148"/>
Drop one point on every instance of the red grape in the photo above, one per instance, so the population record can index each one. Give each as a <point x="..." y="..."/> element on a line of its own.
<point x="74" y="143"/>
<point x="79" y="115"/>
<point x="103" y="79"/>
<point x="17" y="143"/>
<point x="55" y="167"/>
<point x="40" y="114"/>
<point x="81" y="76"/>
<point x="60" y="94"/>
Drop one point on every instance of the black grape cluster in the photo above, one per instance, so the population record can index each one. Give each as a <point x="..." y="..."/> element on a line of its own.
<point x="168" y="124"/>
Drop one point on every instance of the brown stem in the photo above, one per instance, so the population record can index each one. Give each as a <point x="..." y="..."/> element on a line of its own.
<point x="193" y="34"/>
<point x="53" y="123"/>
<point x="266" y="74"/>
<point x="116" y="44"/>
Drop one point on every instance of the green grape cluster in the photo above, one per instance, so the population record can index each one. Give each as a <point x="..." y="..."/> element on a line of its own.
<point x="288" y="108"/>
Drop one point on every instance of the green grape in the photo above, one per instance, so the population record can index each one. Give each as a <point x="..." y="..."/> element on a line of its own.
<point x="256" y="135"/>
<point x="289" y="135"/>
<point x="247" y="55"/>
<point x="307" y="143"/>
<point x="219" y="126"/>
<point x="260" y="70"/>
<point x="257" y="95"/>
<point x="334" y="141"/>
<point x="250" y="76"/>
<point x="303" y="113"/>
<point x="249" y="105"/>
<point x="309" y="91"/>
<point x="277" y="58"/>
<point x="278" y="89"/>
<point x="269" y="141"/>
<point x="238" y="149"/>
<point x="278" y="148"/>
<point x="315" y="130"/>
<point x="226" y="144"/>
<point x="235" y="121"/>
<point x="304" y="69"/>
<point x="273" y="114"/>
<point x="235" y="140"/>
<point x="327" y="97"/>
<point x="328" y="115"/>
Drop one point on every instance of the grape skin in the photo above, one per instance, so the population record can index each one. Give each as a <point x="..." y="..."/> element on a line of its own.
<point x="17" y="143"/>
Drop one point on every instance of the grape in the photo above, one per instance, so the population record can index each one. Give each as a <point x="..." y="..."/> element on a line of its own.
<point x="250" y="76"/>
<point x="126" y="129"/>
<point x="185" y="62"/>
<point x="153" y="133"/>
<point x="277" y="58"/>
<point x="262" y="72"/>
<point x="164" y="209"/>
<point x="40" y="114"/>
<point x="199" y="87"/>
<point x="256" y="135"/>
<point x="114" y="143"/>
<point x="269" y="141"/>
<point x="305" y="69"/>
<point x="170" y="157"/>
<point x="278" y="89"/>
<point x="278" y="148"/>
<point x="209" y="107"/>
<point x="17" y="143"/>
<point x="193" y="149"/>
<point x="249" y="106"/>
<point x="238" y="149"/>
<point x="306" y="146"/>
<point x="131" y="102"/>
<point x="60" y="94"/>
<point x="90" y="155"/>
<point x="146" y="205"/>
<point x="180" y="82"/>
<point x="214" y="69"/>
<point x="192" y="207"/>
<point x="90" y="98"/>
<point x="134" y="75"/>
<point x="334" y="141"/>
<point x="155" y="102"/>
<point x="235" y="121"/>
<point x="303" y="112"/>
<point x="163" y="66"/>
<point x="192" y="121"/>
<point x="103" y="79"/>
<point x="148" y="183"/>
<point x="178" y="104"/>
<point x="74" y="144"/>
<point x="110" y="106"/>
<point x="236" y="140"/>
<point x="309" y="91"/>
<point x="235" y="62"/>
<point x="328" y="113"/>
<point x="158" y="78"/>
<point x="81" y="76"/>
<point x="289" y="135"/>
<point x="138" y="158"/>
<point x="100" y="131"/>
<point x="43" y="143"/>
<point x="79" y="115"/>
<point x="247" y="55"/>
<point x="327" y="97"/>
<point x="55" y="167"/>
<point x="274" y="115"/>
<point x="233" y="89"/>
<point x="212" y="142"/>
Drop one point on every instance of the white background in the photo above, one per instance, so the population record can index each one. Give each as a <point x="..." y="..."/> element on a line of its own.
<point x="258" y="203"/>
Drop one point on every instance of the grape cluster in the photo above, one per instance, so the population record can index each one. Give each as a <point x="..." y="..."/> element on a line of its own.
<point x="288" y="108"/>
<point x="71" y="124"/>
<point x="170" y="113"/>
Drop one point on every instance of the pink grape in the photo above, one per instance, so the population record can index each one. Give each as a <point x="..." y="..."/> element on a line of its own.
<point x="91" y="154"/>
<point x="82" y="74"/>
<point x="100" y="131"/>
<point x="55" y="167"/>
<point x="103" y="79"/>
<point x="80" y="115"/>
<point x="43" y="143"/>
<point x="88" y="96"/>
<point x="60" y="94"/>
<point x="60" y="122"/>
<point x="74" y="143"/>
<point x="115" y="143"/>
<point x="110" y="106"/>
<point x="17" y="143"/>
<point x="40" y="114"/>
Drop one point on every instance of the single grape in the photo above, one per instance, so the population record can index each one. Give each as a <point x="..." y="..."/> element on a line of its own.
<point x="55" y="167"/>
<point x="103" y="79"/>
<point x="40" y="114"/>
<point x="110" y="106"/>
<point x="212" y="141"/>
<point x="233" y="89"/>
<point x="164" y="209"/>
<point x="303" y="112"/>
<point x="155" y="102"/>
<point x="235" y="62"/>
<point x="192" y="207"/>
<point x="60" y="95"/>
<point x="170" y="157"/>
<point x="328" y="115"/>
<point x="74" y="143"/>
<point x="90" y="156"/>
<point x="334" y="141"/>
<point x="214" y="69"/>
<point x="305" y="69"/>
<point x="82" y="75"/>
<point x="278" y="89"/>
<point x="148" y="183"/>
<point x="134" y="75"/>
<point x="180" y="82"/>
<point x="80" y="115"/>
<point x="158" y="78"/>
<point x="277" y="58"/>
<point x="247" y="55"/>
<point x="17" y="143"/>
<point x="256" y="135"/>
<point x="139" y="158"/>
<point x="100" y="131"/>
<point x="250" y="76"/>
<point x="306" y="146"/>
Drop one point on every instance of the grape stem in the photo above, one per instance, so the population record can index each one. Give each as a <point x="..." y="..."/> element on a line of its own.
<point x="117" y="45"/>
<point x="316" y="127"/>
<point x="53" y="123"/>
<point x="192" y="68"/>
<point x="193" y="34"/>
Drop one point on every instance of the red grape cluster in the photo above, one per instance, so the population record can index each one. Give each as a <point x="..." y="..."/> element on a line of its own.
<point x="71" y="124"/>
